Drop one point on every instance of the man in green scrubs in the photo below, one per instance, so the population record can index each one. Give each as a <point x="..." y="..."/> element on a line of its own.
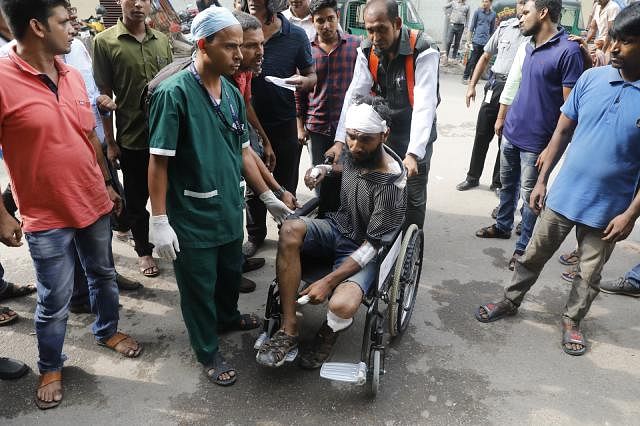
<point x="199" y="149"/>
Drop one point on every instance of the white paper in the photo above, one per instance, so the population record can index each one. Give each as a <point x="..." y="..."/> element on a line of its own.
<point x="280" y="82"/>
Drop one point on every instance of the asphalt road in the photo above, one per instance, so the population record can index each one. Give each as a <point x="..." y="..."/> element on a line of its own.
<point x="447" y="369"/>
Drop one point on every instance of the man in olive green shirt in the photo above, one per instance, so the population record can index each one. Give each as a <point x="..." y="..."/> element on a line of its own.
<point x="126" y="57"/>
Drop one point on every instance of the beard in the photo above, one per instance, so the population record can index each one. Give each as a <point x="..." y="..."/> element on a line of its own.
<point x="370" y="161"/>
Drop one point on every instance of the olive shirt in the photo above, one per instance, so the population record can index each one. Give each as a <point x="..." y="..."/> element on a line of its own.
<point x="205" y="194"/>
<point x="126" y="65"/>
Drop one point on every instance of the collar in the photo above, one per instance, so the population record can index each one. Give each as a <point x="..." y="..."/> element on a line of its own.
<point x="555" y="39"/>
<point x="289" y="15"/>
<point x="285" y="28"/>
<point x="122" y="30"/>
<point x="615" y="78"/>
<point x="341" y="35"/>
<point x="486" y="12"/>
<point x="26" y="67"/>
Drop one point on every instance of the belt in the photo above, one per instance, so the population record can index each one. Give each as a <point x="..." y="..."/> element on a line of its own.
<point x="500" y="77"/>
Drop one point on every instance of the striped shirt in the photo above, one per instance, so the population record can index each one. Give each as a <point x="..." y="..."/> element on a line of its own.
<point x="321" y="108"/>
<point x="372" y="204"/>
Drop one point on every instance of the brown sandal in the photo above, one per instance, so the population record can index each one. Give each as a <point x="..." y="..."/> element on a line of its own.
<point x="45" y="380"/>
<point x="492" y="232"/>
<point x="118" y="343"/>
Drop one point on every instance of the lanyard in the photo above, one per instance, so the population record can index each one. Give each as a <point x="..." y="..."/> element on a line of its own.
<point x="237" y="127"/>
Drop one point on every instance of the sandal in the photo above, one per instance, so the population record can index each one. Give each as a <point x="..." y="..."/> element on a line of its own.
<point x="496" y="311"/>
<point x="245" y="323"/>
<point x="7" y="316"/>
<point x="45" y="380"/>
<point x="217" y="368"/>
<point x="512" y="262"/>
<point x="273" y="353"/>
<point x="571" y="335"/>
<point x="570" y="275"/>
<point x="13" y="290"/>
<point x="150" y="271"/>
<point x="118" y="343"/>
<point x="492" y="232"/>
<point x="569" y="259"/>
<point x="320" y="350"/>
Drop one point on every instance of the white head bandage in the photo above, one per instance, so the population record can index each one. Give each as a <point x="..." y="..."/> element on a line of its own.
<point x="365" y="119"/>
<point x="210" y="21"/>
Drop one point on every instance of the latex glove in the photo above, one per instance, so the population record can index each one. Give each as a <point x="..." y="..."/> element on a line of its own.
<point x="163" y="237"/>
<point x="277" y="208"/>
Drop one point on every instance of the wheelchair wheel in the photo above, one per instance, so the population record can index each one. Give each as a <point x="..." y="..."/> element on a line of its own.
<point x="376" y="371"/>
<point x="406" y="277"/>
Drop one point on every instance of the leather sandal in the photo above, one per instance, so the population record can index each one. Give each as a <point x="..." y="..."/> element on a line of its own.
<point x="118" y="338"/>
<point x="46" y="379"/>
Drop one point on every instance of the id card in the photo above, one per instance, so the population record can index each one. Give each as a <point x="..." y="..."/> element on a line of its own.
<point x="487" y="97"/>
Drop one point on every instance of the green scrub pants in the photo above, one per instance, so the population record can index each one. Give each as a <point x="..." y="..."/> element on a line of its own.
<point x="208" y="280"/>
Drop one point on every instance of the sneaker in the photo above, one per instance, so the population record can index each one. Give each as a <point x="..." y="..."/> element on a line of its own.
<point x="251" y="247"/>
<point x="126" y="283"/>
<point x="466" y="184"/>
<point x="621" y="286"/>
<point x="252" y="263"/>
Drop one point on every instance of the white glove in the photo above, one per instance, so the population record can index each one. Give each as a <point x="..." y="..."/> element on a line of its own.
<point x="163" y="237"/>
<point x="277" y="208"/>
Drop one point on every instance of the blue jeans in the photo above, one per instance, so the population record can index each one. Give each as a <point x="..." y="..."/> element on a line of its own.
<point x="633" y="276"/>
<point x="53" y="254"/>
<point x="517" y="170"/>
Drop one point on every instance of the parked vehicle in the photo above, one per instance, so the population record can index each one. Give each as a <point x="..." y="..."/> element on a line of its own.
<point x="570" y="18"/>
<point x="352" y="16"/>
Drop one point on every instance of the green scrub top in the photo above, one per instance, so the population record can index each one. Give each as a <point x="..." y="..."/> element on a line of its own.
<point x="205" y="194"/>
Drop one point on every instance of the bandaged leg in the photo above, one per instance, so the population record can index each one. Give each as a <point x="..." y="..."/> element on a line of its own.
<point x="336" y="323"/>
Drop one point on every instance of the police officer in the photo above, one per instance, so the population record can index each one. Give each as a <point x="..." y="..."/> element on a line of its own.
<point x="406" y="76"/>
<point x="504" y="44"/>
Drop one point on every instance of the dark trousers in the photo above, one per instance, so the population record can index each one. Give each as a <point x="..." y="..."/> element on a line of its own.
<point x="477" y="51"/>
<point x="284" y="140"/>
<point x="485" y="131"/>
<point x="329" y="190"/>
<point x="135" y="164"/>
<point x="454" y="35"/>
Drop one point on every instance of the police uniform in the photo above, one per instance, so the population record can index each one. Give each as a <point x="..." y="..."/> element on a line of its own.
<point x="503" y="44"/>
<point x="204" y="200"/>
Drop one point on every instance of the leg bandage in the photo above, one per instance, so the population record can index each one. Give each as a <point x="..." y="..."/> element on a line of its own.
<point x="336" y="323"/>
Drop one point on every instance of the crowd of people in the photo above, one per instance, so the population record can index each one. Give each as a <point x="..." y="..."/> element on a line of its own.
<point x="204" y="137"/>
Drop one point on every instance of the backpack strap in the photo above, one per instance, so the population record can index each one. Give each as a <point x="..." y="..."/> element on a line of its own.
<point x="408" y="65"/>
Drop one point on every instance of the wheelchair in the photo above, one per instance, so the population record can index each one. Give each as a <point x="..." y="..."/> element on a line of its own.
<point x="390" y="302"/>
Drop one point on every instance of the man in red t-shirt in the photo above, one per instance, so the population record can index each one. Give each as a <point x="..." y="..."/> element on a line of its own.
<point x="64" y="194"/>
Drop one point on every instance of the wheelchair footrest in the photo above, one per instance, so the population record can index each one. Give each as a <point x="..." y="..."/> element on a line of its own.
<point x="345" y="372"/>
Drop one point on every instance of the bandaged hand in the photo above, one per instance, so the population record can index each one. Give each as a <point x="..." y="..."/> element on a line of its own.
<point x="315" y="175"/>
<point x="163" y="237"/>
<point x="277" y="208"/>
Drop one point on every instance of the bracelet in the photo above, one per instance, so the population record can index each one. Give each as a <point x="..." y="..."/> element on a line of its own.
<point x="279" y="192"/>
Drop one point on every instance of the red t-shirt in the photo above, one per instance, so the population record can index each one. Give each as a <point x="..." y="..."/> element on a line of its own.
<point x="243" y="80"/>
<point x="54" y="174"/>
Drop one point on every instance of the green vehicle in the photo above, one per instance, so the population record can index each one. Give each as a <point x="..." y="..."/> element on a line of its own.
<point x="352" y="16"/>
<point x="570" y="18"/>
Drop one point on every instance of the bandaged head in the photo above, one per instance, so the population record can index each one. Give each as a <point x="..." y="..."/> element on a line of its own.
<point x="363" y="118"/>
<point x="210" y="21"/>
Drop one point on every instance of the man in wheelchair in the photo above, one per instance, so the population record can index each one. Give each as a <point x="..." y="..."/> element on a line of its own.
<point x="372" y="203"/>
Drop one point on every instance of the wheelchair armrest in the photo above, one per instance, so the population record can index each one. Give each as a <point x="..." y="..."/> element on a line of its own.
<point x="389" y="238"/>
<point x="307" y="208"/>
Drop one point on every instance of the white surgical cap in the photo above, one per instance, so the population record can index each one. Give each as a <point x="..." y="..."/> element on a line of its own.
<point x="365" y="119"/>
<point x="210" y="21"/>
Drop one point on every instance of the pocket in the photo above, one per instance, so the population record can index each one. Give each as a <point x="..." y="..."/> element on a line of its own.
<point x="85" y="115"/>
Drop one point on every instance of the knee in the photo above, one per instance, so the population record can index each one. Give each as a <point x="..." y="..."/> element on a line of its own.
<point x="291" y="234"/>
<point x="343" y="307"/>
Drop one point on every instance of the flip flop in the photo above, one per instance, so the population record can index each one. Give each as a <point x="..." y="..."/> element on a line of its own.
<point x="217" y="368"/>
<point x="13" y="291"/>
<point x="44" y="380"/>
<point x="496" y="311"/>
<point x="569" y="259"/>
<point x="150" y="272"/>
<point x="117" y="338"/>
<point x="5" y="311"/>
